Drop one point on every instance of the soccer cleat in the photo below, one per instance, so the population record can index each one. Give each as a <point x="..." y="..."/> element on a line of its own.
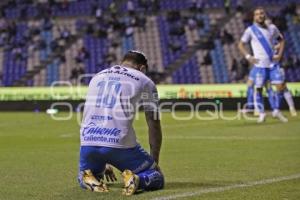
<point x="92" y="183"/>
<point x="131" y="182"/>
<point x="261" y="118"/>
<point x="277" y="114"/>
<point x="293" y="112"/>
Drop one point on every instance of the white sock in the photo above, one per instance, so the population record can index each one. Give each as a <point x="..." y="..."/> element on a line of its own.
<point x="289" y="98"/>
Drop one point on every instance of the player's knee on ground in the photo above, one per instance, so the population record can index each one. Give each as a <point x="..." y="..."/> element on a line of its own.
<point x="151" y="180"/>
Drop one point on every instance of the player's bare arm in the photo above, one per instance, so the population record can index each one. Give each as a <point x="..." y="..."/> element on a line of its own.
<point x="155" y="134"/>
<point x="280" y="47"/>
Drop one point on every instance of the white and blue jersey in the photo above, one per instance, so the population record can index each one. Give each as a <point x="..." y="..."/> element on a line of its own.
<point x="112" y="100"/>
<point x="107" y="135"/>
<point x="260" y="39"/>
<point x="270" y="33"/>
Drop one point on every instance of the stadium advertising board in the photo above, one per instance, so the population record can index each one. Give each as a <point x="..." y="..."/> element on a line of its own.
<point x="165" y="92"/>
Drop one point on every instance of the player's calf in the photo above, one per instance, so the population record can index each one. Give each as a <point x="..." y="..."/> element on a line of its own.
<point x="289" y="99"/>
<point x="258" y="100"/>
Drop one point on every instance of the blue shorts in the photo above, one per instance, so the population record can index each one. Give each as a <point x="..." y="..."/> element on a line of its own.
<point x="261" y="75"/>
<point x="95" y="158"/>
<point x="277" y="75"/>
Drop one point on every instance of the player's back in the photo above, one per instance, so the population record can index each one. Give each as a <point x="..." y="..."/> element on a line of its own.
<point x="110" y="107"/>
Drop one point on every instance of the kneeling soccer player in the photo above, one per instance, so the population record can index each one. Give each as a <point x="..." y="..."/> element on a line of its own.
<point x="107" y="135"/>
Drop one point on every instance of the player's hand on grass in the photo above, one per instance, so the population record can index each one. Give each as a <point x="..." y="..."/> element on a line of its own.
<point x="109" y="174"/>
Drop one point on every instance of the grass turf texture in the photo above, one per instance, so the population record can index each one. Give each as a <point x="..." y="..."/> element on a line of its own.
<point x="39" y="158"/>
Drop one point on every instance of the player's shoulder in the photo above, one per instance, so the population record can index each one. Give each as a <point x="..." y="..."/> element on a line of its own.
<point x="97" y="75"/>
<point x="145" y="81"/>
<point x="127" y="72"/>
<point x="272" y="26"/>
<point x="140" y="76"/>
<point x="248" y="29"/>
<point x="150" y="84"/>
<point x="100" y="75"/>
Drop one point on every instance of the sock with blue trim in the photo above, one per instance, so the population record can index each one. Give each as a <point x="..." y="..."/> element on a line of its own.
<point x="289" y="98"/>
<point x="271" y="98"/>
<point x="250" y="98"/>
<point x="278" y="99"/>
<point x="259" y="100"/>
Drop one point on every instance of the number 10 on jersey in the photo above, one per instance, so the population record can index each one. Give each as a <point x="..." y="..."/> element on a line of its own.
<point x="107" y="95"/>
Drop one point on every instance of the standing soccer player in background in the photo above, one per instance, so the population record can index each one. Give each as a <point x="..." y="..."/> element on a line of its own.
<point x="283" y="87"/>
<point x="107" y="135"/>
<point x="261" y="37"/>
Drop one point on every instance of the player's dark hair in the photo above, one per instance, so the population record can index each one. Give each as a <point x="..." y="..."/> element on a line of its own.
<point x="136" y="58"/>
<point x="258" y="8"/>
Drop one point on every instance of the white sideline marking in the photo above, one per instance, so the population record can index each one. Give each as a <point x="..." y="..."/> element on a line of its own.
<point x="230" y="187"/>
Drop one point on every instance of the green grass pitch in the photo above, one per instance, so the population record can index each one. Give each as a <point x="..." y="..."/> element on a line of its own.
<point x="39" y="158"/>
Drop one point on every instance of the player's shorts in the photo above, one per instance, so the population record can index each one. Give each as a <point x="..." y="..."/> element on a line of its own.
<point x="259" y="76"/>
<point x="277" y="75"/>
<point x="95" y="158"/>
